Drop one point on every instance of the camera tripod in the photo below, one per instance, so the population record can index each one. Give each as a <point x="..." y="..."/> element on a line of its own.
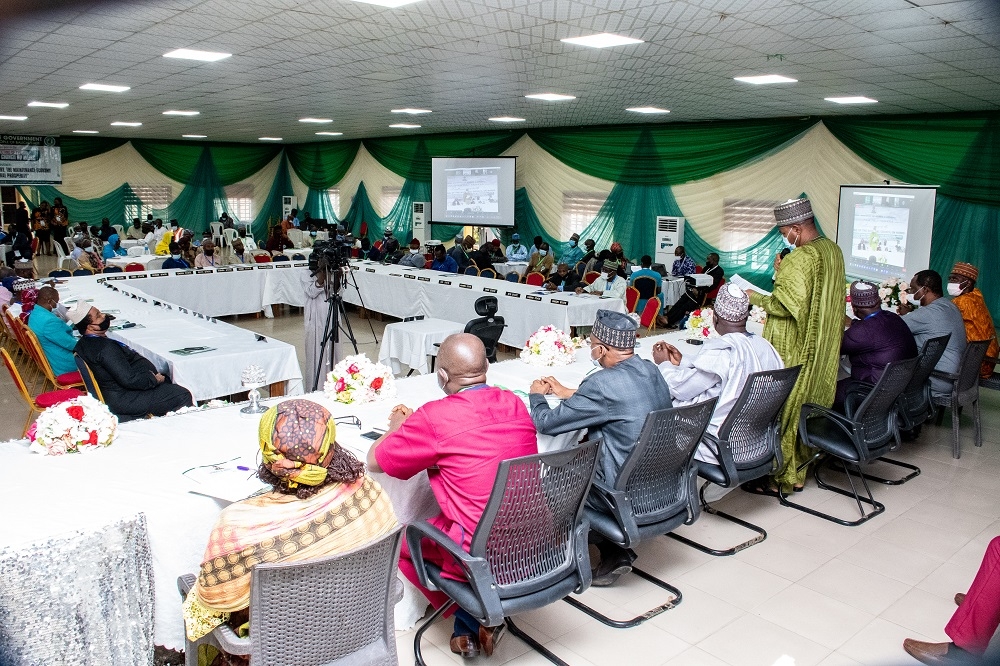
<point x="336" y="318"/>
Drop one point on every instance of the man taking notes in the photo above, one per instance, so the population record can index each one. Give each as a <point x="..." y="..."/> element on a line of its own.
<point x="609" y="285"/>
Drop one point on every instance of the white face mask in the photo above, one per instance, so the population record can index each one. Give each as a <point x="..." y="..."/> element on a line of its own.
<point x="175" y="257"/>
<point x="954" y="289"/>
<point x="542" y="253"/>
<point x="412" y="251"/>
<point x="912" y="298"/>
<point x="791" y="243"/>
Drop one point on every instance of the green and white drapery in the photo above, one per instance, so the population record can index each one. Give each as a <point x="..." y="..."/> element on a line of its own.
<point x="640" y="171"/>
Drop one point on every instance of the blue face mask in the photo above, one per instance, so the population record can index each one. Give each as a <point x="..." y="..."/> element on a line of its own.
<point x="790" y="244"/>
<point x="572" y="243"/>
<point x="175" y="257"/>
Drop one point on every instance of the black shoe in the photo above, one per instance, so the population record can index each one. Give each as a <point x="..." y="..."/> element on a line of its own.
<point x="611" y="569"/>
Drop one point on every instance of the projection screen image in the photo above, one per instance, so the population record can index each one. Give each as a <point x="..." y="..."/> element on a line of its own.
<point x="473" y="190"/>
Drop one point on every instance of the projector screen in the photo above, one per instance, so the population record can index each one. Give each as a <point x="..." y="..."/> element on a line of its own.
<point x="473" y="191"/>
<point x="885" y="230"/>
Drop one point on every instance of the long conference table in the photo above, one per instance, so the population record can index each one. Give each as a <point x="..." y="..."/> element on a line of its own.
<point x="144" y="471"/>
<point x="407" y="292"/>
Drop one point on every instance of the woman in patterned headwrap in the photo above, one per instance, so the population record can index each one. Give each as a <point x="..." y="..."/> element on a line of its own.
<point x="322" y="503"/>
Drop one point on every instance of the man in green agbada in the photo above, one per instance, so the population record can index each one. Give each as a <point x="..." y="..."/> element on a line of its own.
<point x="805" y="321"/>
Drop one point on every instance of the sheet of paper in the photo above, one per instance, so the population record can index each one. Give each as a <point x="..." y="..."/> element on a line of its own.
<point x="232" y="480"/>
<point x="743" y="284"/>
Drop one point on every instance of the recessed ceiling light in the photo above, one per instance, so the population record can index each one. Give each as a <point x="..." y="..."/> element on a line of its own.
<point x="269" y="138"/>
<point x="507" y="119"/>
<point x="181" y="113"/>
<point x="550" y="97"/>
<point x="329" y="133"/>
<point x="412" y="112"/>
<point x="851" y="100"/>
<point x="13" y="117"/>
<point x="50" y="105"/>
<point x="602" y="40"/>
<point x="404" y="126"/>
<point x="119" y="123"/>
<point x="194" y="136"/>
<point x="85" y="132"/>
<point x="764" y="79"/>
<point x="647" y="109"/>
<point x="103" y="87"/>
<point x="194" y="54"/>
<point x="392" y="4"/>
<point x="321" y="121"/>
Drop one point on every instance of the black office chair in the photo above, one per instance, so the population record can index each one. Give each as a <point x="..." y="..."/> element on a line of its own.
<point x="748" y="446"/>
<point x="655" y="492"/>
<point x="872" y="431"/>
<point x="487" y="327"/>
<point x="964" y="392"/>
<point x="529" y="549"/>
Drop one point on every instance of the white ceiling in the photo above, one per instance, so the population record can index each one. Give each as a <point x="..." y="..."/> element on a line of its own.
<point x="468" y="60"/>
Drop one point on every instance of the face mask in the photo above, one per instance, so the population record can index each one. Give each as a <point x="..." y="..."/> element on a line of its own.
<point x="572" y="243"/>
<point x="209" y="253"/>
<point x="313" y="234"/>
<point x="790" y="244"/>
<point x="104" y="325"/>
<point x="954" y="289"/>
<point x="542" y="253"/>
<point x="175" y="257"/>
<point x="595" y="361"/>
<point x="514" y="243"/>
<point x="913" y="298"/>
<point x="412" y="251"/>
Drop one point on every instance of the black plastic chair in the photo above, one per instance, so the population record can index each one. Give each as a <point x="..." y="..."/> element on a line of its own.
<point x="646" y="286"/>
<point x="964" y="392"/>
<point x="60" y="273"/>
<point x="748" y="446"/>
<point x="871" y="432"/>
<point x="655" y="492"/>
<point x="529" y="549"/>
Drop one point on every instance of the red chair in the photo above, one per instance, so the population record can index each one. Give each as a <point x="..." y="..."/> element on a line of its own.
<point x="631" y="298"/>
<point x="40" y="401"/>
<point x="591" y="276"/>
<point x="355" y="253"/>
<point x="134" y="267"/>
<point x="262" y="258"/>
<point x="698" y="269"/>
<point x="648" y="316"/>
<point x="710" y="296"/>
<point x="428" y="263"/>
<point x="60" y="382"/>
<point x="535" y="279"/>
<point x="377" y="245"/>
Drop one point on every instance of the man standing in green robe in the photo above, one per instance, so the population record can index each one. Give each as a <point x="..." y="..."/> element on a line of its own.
<point x="805" y="322"/>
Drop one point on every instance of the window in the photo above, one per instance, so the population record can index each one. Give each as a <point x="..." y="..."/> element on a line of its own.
<point x="152" y="198"/>
<point x="580" y="209"/>
<point x="334" y="194"/>
<point x="389" y="197"/>
<point x="239" y="200"/>
<point x="744" y="222"/>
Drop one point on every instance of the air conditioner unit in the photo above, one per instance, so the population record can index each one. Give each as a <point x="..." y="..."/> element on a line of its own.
<point x="669" y="234"/>
<point x="287" y="204"/>
<point x="421" y="228"/>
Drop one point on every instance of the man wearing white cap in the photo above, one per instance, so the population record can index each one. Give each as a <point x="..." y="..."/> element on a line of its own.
<point x="722" y="367"/>
<point x="515" y="251"/>
<point x="129" y="383"/>
<point x="805" y="320"/>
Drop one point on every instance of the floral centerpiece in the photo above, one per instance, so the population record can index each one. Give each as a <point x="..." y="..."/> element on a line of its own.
<point x="80" y="424"/>
<point x="891" y="292"/>
<point x="757" y="315"/>
<point x="357" y="380"/>
<point x="550" y="346"/>
<point x="699" y="324"/>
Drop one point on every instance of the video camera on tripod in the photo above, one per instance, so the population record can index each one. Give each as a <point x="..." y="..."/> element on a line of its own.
<point x="329" y="255"/>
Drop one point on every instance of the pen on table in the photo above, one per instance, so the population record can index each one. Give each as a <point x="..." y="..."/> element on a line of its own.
<point x="243" y="468"/>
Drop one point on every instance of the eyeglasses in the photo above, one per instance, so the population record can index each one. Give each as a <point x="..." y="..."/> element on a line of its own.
<point x="348" y="420"/>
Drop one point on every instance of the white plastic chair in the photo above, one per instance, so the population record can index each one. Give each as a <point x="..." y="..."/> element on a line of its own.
<point x="216" y="228"/>
<point x="295" y="235"/>
<point x="120" y="230"/>
<point x="155" y="264"/>
<point x="137" y="251"/>
<point x="61" y="256"/>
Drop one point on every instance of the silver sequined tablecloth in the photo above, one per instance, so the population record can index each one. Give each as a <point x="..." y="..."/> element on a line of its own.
<point x="82" y="598"/>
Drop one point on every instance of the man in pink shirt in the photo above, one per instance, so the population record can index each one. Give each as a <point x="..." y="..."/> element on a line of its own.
<point x="460" y="440"/>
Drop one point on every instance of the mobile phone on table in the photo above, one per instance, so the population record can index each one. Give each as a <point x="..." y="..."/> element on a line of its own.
<point x="373" y="434"/>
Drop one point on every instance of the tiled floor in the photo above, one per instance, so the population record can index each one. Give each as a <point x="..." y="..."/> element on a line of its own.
<point x="812" y="593"/>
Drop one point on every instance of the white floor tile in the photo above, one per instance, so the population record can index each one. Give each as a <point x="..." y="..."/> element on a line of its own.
<point x="813" y="615"/>
<point x="753" y="641"/>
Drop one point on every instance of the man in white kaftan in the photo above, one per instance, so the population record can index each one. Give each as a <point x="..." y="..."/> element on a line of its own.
<point x="722" y="366"/>
<point x="316" y="310"/>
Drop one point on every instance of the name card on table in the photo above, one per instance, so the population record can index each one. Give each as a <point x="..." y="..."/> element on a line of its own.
<point x="159" y="274"/>
<point x="184" y="273"/>
<point x="395" y="275"/>
<point x="423" y="278"/>
<point x="101" y="280"/>
<point x="489" y="290"/>
<point x="264" y="267"/>
<point x="465" y="286"/>
<point x="137" y="276"/>
<point x="244" y="268"/>
<point x="513" y="294"/>
<point x="202" y="271"/>
<point x="357" y="268"/>
<point x="529" y="297"/>
<point x="447" y="282"/>
<point x="300" y="264"/>
<point x="223" y="270"/>
<point x="283" y="264"/>
<point x="558" y="302"/>
<point x="119" y="277"/>
<point x="369" y="270"/>
<point x="410" y="276"/>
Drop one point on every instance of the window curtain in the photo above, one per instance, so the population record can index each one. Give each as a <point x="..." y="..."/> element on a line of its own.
<point x="112" y="205"/>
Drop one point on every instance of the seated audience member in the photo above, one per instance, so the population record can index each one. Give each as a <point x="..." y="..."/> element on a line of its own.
<point x="240" y="255"/>
<point x="612" y="404"/>
<point x="176" y="259"/>
<point x="113" y="248"/>
<point x="498" y="254"/>
<point x="248" y="242"/>
<point x="188" y="251"/>
<point x="935" y="316"/>
<point x="541" y="261"/>
<point x="481" y="257"/>
<point x="693" y="295"/>
<point x="148" y="237"/>
<point x="163" y="245"/>
<point x="645" y="271"/>
<point x="443" y="261"/>
<point x="459" y="254"/>
<point x="609" y="285"/>
<point x="573" y="254"/>
<point x="54" y="335"/>
<point x="624" y="265"/>
<point x="515" y="251"/>
<point x="130" y="384"/>
<point x="414" y="257"/>
<point x="974" y="622"/>
<point x="88" y="257"/>
<point x="106" y="231"/>
<point x="461" y="439"/>
<point x="721" y="368"/>
<point x="564" y="279"/>
<point x="207" y="258"/>
<point x="975" y="314"/>
<point x="77" y="251"/>
<point x="80" y="232"/>
<point x="175" y="230"/>
<point x="158" y="229"/>
<point x="277" y="241"/>
<point x="135" y="232"/>
<point x="597" y="263"/>
<point x="875" y="338"/>
<point x="683" y="264"/>
<point x="318" y="489"/>
<point x="226" y="221"/>
<point x="589" y="253"/>
<point x="390" y="245"/>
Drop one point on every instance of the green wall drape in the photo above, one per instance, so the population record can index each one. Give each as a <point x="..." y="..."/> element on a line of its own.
<point x="115" y="205"/>
<point x="322" y="165"/>
<point x="269" y="212"/>
<point x="203" y="198"/>
<point x="76" y="148"/>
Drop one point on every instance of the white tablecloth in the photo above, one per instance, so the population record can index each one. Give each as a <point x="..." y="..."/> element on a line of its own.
<point x="671" y="290"/>
<point x="166" y="327"/>
<point x="122" y="262"/>
<point x="131" y="242"/>
<point x="407" y="292"/>
<point x="411" y="342"/>
<point x="504" y="268"/>
<point x="142" y="471"/>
